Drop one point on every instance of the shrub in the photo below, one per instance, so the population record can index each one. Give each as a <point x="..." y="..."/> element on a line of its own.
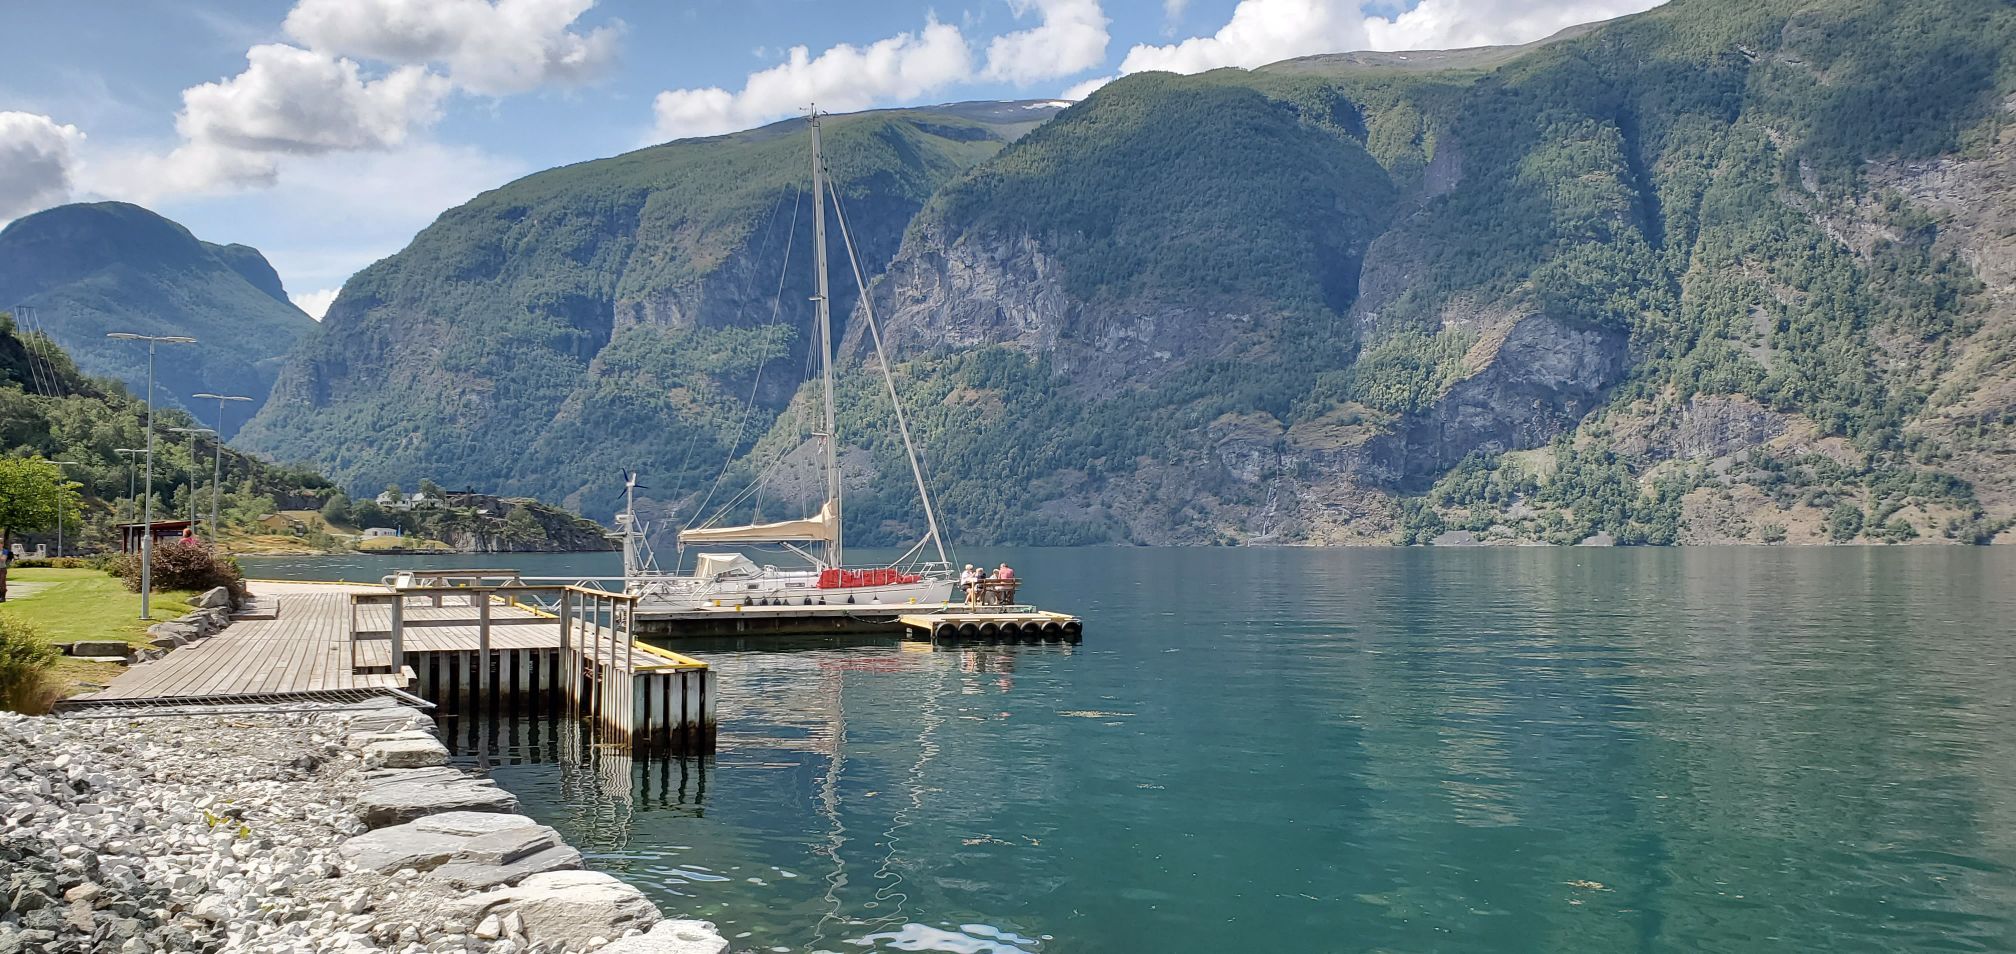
<point x="186" y="565"/>
<point x="66" y="563"/>
<point x="25" y="660"/>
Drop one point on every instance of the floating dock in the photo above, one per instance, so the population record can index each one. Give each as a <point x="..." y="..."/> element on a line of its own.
<point x="1002" y="624"/>
<point x="946" y="622"/>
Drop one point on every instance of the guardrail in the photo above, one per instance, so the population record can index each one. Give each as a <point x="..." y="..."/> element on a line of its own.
<point x="596" y="628"/>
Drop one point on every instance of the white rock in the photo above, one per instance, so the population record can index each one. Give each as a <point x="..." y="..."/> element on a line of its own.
<point x="673" y="937"/>
<point x="568" y="907"/>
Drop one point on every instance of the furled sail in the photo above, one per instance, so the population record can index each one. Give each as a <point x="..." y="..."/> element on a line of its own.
<point x="823" y="526"/>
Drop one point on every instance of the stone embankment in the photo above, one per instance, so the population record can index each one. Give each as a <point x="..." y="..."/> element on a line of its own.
<point x="324" y="832"/>
<point x="210" y="617"/>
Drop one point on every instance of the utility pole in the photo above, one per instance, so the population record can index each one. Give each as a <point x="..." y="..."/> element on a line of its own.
<point x="193" y="432"/>
<point x="59" y="509"/>
<point x="147" y="531"/>
<point x="132" y="455"/>
<point x="217" y="478"/>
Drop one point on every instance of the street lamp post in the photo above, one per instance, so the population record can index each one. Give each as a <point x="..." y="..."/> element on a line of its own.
<point x="147" y="531"/>
<point x="192" y="432"/>
<point x="217" y="480"/>
<point x="132" y="455"/>
<point x="59" y="509"/>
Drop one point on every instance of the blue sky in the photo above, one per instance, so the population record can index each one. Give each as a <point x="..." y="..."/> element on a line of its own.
<point x="326" y="132"/>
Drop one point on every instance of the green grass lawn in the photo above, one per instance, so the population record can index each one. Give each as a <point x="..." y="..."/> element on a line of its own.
<point x="88" y="604"/>
<point x="85" y="604"/>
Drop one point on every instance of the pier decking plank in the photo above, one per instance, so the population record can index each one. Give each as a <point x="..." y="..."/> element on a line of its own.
<point x="306" y="648"/>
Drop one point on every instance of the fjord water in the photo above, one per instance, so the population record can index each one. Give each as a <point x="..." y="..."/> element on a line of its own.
<point x="1545" y="750"/>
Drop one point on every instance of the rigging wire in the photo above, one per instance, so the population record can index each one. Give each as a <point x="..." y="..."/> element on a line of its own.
<point x="889" y="379"/>
<point x="39" y="367"/>
<point x="755" y="385"/>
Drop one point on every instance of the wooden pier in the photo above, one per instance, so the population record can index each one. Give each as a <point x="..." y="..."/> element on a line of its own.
<point x="463" y="647"/>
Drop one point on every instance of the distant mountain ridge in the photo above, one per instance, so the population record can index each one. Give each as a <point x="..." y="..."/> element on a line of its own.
<point x="80" y="271"/>
<point x="1728" y="270"/>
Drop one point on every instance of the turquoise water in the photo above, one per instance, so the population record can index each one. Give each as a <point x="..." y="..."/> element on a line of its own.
<point x="1545" y="750"/>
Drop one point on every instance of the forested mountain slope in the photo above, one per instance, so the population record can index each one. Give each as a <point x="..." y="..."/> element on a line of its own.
<point x="1727" y="270"/>
<point x="607" y="315"/>
<point x="49" y="408"/>
<point x="80" y="271"/>
<point x="1722" y="271"/>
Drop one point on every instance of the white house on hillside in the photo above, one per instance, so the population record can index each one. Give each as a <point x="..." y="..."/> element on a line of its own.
<point x="418" y="500"/>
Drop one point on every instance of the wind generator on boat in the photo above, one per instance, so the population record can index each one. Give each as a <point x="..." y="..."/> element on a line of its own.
<point x="732" y="578"/>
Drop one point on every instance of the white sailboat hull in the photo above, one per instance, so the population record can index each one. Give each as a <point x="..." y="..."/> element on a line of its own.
<point x="678" y="594"/>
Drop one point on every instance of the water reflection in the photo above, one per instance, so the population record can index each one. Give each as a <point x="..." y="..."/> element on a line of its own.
<point x="1534" y="750"/>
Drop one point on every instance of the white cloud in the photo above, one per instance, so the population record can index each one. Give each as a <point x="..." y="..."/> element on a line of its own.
<point x="1082" y="90"/>
<point x="1260" y="32"/>
<point x="318" y="98"/>
<point x="492" y="48"/>
<point x="37" y="163"/>
<point x="1071" y="39"/>
<point x="315" y="303"/>
<point x="844" y="77"/>
<point x="1268" y="31"/>
<point x="291" y="100"/>
<point x="288" y="102"/>
<point x="1453" y="24"/>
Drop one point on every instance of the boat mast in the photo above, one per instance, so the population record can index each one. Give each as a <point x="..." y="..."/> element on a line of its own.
<point x="832" y="456"/>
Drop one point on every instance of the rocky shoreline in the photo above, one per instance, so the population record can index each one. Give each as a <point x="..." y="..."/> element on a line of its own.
<point x="324" y="831"/>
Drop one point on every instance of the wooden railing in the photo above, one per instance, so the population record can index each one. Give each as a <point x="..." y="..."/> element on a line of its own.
<point x="597" y="635"/>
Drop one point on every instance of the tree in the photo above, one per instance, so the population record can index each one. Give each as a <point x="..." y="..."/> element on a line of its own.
<point x="521" y="527"/>
<point x="33" y="493"/>
<point x="367" y="514"/>
<point x="1844" y="522"/>
<point x="337" y="510"/>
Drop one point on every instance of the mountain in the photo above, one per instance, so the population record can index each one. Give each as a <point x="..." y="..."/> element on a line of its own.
<point x="1729" y="270"/>
<point x="612" y="314"/>
<point x="80" y="271"/>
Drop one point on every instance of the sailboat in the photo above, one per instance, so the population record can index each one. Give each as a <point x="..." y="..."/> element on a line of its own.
<point x="732" y="579"/>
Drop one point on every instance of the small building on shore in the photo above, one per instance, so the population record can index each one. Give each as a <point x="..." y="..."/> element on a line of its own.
<point x="165" y="531"/>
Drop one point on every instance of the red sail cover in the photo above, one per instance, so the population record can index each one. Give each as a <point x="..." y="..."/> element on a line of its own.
<point x="834" y="579"/>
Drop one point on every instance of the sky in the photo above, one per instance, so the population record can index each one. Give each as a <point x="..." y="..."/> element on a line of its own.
<point x="327" y="132"/>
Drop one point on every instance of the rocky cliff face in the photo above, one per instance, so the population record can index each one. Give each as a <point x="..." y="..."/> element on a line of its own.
<point x="1537" y="378"/>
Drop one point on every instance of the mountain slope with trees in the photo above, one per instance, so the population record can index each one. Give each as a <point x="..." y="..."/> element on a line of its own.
<point x="607" y="315"/>
<point x="1729" y="270"/>
<point x="77" y="272"/>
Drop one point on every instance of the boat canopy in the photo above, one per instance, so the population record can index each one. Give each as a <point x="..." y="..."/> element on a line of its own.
<point x="713" y="566"/>
<point x="823" y="526"/>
